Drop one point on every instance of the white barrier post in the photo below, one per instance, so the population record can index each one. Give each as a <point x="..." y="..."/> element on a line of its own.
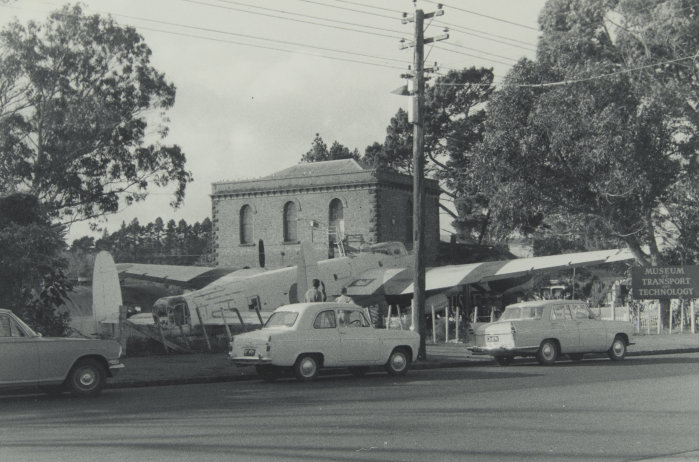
<point x="446" y="324"/>
<point x="682" y="316"/>
<point x="434" y="325"/>
<point x="693" y="319"/>
<point x="456" y="308"/>
<point x="660" y="319"/>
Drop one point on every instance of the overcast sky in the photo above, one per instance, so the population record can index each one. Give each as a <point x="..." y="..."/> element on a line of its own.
<point x="257" y="79"/>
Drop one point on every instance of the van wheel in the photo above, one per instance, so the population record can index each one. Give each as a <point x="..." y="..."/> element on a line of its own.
<point x="86" y="378"/>
<point x="306" y="368"/>
<point x="617" y="351"/>
<point x="398" y="362"/>
<point x="548" y="353"/>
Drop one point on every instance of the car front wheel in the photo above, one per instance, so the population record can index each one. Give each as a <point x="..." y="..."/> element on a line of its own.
<point x="548" y="353"/>
<point x="306" y="368"/>
<point x="617" y="351"/>
<point x="398" y="362"/>
<point x="86" y="378"/>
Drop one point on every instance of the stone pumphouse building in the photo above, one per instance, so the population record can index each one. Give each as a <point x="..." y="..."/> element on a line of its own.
<point x="337" y="205"/>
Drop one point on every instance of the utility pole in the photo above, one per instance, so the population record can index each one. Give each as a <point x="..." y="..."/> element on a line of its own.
<point x="418" y="311"/>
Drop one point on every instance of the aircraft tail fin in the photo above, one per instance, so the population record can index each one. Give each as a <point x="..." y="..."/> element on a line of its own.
<point x="106" y="291"/>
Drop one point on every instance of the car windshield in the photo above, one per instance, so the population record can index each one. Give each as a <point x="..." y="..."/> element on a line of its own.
<point x="517" y="313"/>
<point x="282" y="319"/>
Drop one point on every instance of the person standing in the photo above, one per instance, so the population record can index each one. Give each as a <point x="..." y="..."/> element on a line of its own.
<point x="344" y="298"/>
<point x="314" y="294"/>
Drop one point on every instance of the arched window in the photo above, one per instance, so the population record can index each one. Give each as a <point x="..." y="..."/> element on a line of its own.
<point x="246" y="225"/>
<point x="290" y="223"/>
<point x="336" y="218"/>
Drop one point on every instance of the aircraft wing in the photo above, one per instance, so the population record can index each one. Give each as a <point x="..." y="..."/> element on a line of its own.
<point x="192" y="277"/>
<point x="400" y="281"/>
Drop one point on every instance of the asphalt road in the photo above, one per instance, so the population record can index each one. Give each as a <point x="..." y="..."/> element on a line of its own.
<point x="644" y="407"/>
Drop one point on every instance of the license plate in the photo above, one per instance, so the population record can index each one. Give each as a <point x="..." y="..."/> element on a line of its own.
<point x="249" y="352"/>
<point x="492" y="338"/>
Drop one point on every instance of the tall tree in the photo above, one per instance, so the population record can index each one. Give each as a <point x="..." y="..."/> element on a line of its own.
<point x="454" y="118"/>
<point x="601" y="130"/>
<point x="79" y="101"/>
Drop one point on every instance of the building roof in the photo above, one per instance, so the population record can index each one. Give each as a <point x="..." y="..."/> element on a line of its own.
<point x="329" y="167"/>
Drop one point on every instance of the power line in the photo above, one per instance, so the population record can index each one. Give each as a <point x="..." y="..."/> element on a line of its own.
<point x="219" y="31"/>
<point x="348" y="9"/>
<point x="369" y="6"/>
<point x="487" y="36"/>
<point x="586" y="79"/>
<point x="484" y="15"/>
<point x="479" y="51"/>
<point x="337" y="58"/>
<point x="292" y="13"/>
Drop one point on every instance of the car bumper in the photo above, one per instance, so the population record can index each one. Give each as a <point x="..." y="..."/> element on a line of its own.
<point x="503" y="351"/>
<point x="114" y="368"/>
<point x="243" y="362"/>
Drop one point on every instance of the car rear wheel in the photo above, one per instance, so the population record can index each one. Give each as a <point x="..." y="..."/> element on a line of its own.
<point x="398" y="362"/>
<point x="86" y="378"/>
<point x="548" y="353"/>
<point x="617" y="351"/>
<point x="268" y="373"/>
<point x="306" y="368"/>
<point x="504" y="360"/>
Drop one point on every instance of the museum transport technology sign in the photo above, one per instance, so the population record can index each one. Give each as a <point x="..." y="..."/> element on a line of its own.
<point x="656" y="282"/>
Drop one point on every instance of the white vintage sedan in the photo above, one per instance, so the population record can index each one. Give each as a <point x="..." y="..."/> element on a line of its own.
<point x="29" y="360"/>
<point x="548" y="329"/>
<point x="305" y="337"/>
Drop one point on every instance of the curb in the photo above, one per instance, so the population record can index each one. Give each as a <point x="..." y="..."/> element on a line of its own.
<point x="417" y="366"/>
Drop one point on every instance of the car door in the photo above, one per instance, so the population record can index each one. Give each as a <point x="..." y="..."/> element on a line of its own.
<point x="593" y="336"/>
<point x="564" y="328"/>
<point x="324" y="338"/>
<point x="19" y="361"/>
<point x="359" y="340"/>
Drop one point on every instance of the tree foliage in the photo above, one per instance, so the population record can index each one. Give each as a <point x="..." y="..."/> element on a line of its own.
<point x="611" y="149"/>
<point x="31" y="281"/>
<point x="82" y="116"/>
<point x="454" y="120"/>
<point x="174" y="243"/>
<point x="319" y="151"/>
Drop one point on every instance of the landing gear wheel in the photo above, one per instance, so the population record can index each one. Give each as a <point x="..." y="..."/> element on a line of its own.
<point x="86" y="378"/>
<point x="398" y="362"/>
<point x="268" y="373"/>
<point x="358" y="371"/>
<point x="575" y="356"/>
<point x="504" y="360"/>
<point x="548" y="353"/>
<point x="617" y="351"/>
<point x="306" y="368"/>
